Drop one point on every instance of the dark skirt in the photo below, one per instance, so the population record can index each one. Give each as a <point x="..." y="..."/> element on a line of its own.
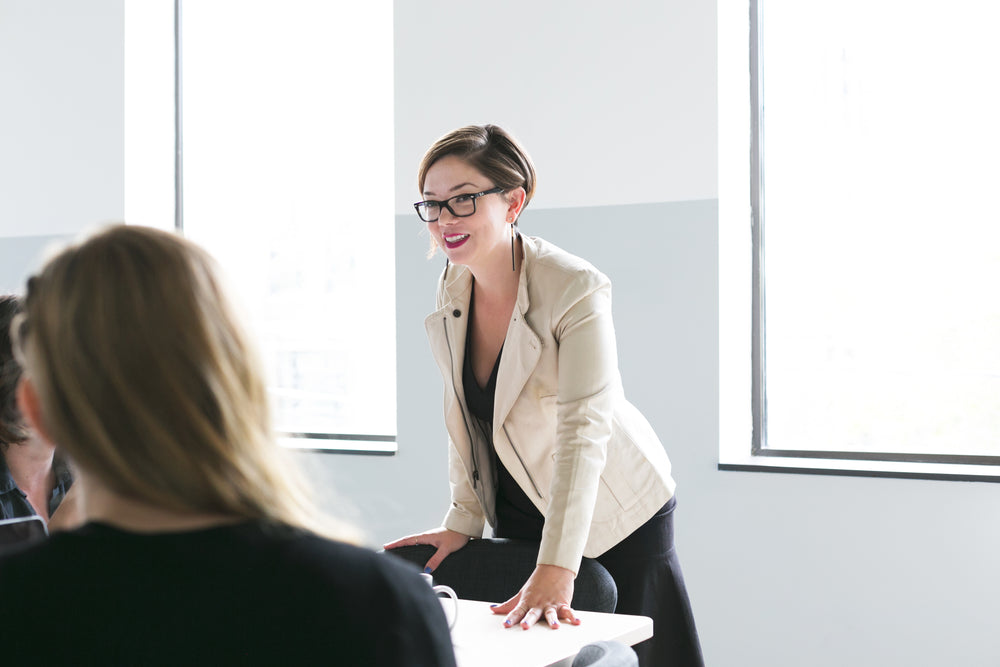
<point x="648" y="574"/>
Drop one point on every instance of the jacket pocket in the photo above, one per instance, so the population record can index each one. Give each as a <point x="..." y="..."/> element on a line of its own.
<point x="527" y="472"/>
<point x="625" y="473"/>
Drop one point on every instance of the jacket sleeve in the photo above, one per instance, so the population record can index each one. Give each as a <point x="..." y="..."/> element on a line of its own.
<point x="587" y="386"/>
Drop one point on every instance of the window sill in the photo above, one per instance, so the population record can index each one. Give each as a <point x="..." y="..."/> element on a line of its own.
<point x="857" y="468"/>
<point x="340" y="444"/>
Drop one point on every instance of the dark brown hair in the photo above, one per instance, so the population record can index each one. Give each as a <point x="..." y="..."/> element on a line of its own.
<point x="12" y="428"/>
<point x="490" y="150"/>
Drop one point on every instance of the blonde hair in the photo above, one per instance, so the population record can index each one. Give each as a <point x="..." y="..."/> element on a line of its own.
<point x="147" y="379"/>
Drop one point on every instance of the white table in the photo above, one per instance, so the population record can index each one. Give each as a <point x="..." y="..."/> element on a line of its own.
<point x="481" y="640"/>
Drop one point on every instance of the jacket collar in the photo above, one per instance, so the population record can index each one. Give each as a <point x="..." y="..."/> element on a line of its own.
<point x="64" y="475"/>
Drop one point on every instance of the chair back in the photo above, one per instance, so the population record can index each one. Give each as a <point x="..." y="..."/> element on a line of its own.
<point x="606" y="654"/>
<point x="494" y="570"/>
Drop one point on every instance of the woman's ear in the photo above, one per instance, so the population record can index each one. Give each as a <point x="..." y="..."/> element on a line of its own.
<point x="515" y="202"/>
<point x="31" y="407"/>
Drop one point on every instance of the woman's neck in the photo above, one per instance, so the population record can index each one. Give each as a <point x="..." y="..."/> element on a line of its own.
<point x="108" y="506"/>
<point x="498" y="281"/>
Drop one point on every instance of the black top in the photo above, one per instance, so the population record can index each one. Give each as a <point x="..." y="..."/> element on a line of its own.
<point x="249" y="594"/>
<point x="517" y="516"/>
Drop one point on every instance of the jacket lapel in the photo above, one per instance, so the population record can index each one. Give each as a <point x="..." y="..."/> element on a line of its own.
<point x="521" y="349"/>
<point x="447" y="327"/>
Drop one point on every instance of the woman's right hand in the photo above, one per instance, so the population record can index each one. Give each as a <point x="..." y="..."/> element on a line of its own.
<point x="444" y="540"/>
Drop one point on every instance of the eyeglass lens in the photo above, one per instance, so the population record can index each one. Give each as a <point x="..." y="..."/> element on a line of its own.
<point x="460" y="206"/>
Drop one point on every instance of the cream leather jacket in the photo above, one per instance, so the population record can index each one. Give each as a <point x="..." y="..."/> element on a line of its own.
<point x="585" y="456"/>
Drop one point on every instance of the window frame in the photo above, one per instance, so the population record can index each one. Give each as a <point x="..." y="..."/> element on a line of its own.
<point x="736" y="201"/>
<point x="331" y="443"/>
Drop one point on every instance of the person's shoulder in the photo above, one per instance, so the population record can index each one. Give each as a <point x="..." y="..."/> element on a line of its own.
<point x="560" y="278"/>
<point x="361" y="584"/>
<point x="321" y="558"/>
<point x="23" y="566"/>
<point x="547" y="257"/>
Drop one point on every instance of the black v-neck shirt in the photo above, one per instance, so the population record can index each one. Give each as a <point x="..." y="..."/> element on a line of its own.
<point x="517" y="517"/>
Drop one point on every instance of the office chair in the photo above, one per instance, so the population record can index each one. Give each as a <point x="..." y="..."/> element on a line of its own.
<point x="495" y="569"/>
<point x="606" y="654"/>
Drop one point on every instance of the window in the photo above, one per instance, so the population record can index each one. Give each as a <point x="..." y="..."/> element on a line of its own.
<point x="876" y="244"/>
<point x="285" y="174"/>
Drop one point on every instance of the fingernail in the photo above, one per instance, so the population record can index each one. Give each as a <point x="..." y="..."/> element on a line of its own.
<point x="494" y="605"/>
<point x="555" y="625"/>
<point x="524" y="626"/>
<point x="507" y="622"/>
<point x="576" y="621"/>
<point x="427" y="570"/>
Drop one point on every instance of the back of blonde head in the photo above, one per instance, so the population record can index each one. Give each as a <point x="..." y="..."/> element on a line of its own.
<point x="149" y="382"/>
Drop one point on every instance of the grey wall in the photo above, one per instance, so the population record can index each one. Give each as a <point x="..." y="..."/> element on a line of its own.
<point x="784" y="570"/>
<point x="660" y="314"/>
<point x="20" y="256"/>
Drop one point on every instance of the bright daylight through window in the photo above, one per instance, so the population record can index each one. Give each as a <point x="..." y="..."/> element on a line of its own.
<point x="880" y="239"/>
<point x="287" y="179"/>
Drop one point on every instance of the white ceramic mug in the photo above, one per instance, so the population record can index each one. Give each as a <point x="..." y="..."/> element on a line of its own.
<point x="448" y="592"/>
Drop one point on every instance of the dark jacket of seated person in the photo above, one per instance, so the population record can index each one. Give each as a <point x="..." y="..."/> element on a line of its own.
<point x="201" y="544"/>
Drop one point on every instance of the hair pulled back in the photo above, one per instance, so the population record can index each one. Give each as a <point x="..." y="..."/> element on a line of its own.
<point x="491" y="150"/>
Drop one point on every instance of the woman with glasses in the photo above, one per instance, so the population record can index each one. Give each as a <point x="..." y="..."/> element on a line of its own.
<point x="201" y="545"/>
<point x="543" y="444"/>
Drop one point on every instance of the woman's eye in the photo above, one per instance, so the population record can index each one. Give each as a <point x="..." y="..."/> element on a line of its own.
<point x="463" y="199"/>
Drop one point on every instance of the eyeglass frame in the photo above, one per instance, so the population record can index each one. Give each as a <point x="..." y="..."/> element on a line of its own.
<point x="444" y="204"/>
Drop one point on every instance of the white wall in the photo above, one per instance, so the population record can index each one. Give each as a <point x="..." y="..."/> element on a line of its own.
<point x="608" y="98"/>
<point x="782" y="569"/>
<point x="61" y="119"/>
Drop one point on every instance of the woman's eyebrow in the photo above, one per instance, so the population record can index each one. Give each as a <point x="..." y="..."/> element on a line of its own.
<point x="428" y="193"/>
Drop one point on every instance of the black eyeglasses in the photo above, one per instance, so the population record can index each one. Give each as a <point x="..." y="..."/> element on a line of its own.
<point x="461" y="206"/>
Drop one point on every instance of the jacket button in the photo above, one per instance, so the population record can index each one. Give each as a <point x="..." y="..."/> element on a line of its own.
<point x="456" y="312"/>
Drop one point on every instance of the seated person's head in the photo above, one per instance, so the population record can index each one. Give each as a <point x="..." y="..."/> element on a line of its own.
<point x="137" y="365"/>
<point x="12" y="428"/>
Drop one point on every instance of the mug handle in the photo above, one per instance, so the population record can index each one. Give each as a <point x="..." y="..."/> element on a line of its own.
<point x="449" y="592"/>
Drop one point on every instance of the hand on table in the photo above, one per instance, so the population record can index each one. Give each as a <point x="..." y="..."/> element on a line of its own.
<point x="444" y="540"/>
<point x="546" y="595"/>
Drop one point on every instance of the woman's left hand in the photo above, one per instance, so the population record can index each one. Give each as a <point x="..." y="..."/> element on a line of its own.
<point x="545" y="596"/>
